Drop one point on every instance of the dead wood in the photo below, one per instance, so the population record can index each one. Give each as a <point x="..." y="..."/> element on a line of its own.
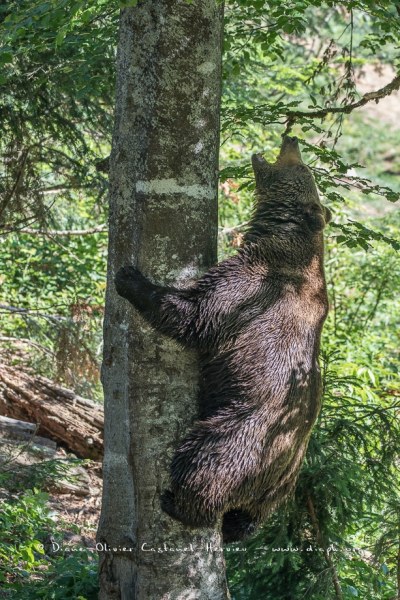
<point x="60" y="414"/>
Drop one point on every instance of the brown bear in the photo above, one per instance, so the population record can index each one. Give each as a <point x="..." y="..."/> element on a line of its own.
<point x="256" y="321"/>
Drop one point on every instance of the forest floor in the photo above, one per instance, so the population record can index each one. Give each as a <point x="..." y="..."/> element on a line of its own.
<point x="73" y="487"/>
<point x="78" y="513"/>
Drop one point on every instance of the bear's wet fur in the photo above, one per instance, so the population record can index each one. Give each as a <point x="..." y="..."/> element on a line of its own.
<point x="255" y="320"/>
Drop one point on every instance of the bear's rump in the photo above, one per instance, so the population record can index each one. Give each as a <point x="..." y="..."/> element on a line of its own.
<point x="265" y="491"/>
<point x="232" y="453"/>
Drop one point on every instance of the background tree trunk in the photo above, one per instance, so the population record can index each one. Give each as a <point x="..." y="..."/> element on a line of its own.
<point x="163" y="218"/>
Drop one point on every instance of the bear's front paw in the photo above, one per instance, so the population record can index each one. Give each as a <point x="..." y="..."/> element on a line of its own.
<point x="128" y="281"/>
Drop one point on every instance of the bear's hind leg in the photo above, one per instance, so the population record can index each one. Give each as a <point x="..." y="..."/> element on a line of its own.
<point x="168" y="506"/>
<point x="197" y="519"/>
<point x="237" y="524"/>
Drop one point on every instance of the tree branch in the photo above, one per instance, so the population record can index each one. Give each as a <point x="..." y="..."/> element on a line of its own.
<point x="228" y="230"/>
<point x="323" y="112"/>
<point x="60" y="232"/>
<point x="26" y="341"/>
<point x="30" y="312"/>
<point x="21" y="168"/>
<point x="321" y="542"/>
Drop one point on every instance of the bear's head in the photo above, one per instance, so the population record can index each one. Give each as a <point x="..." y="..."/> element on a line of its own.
<point x="286" y="189"/>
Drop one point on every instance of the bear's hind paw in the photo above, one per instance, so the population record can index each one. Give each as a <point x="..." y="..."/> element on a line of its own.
<point x="237" y="525"/>
<point x="195" y="519"/>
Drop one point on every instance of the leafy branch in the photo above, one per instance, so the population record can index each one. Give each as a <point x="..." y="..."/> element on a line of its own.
<point x="386" y="90"/>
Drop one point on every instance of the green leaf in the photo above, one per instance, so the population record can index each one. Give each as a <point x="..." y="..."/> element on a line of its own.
<point x="6" y="57"/>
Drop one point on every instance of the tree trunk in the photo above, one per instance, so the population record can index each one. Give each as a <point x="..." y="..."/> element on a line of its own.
<point x="163" y="219"/>
<point x="60" y="413"/>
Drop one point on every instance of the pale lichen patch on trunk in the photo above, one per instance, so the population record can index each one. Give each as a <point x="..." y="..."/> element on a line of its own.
<point x="171" y="186"/>
<point x="206" y="67"/>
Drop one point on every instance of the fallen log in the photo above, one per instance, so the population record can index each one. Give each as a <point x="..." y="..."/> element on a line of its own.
<point x="21" y="431"/>
<point x="59" y="413"/>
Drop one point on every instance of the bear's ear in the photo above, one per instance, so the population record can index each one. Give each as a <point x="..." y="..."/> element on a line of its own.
<point x="315" y="217"/>
<point x="328" y="214"/>
<point x="261" y="169"/>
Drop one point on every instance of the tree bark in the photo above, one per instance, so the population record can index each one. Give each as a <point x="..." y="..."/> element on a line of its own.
<point x="163" y="219"/>
<point x="60" y="413"/>
<point x="322" y="544"/>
